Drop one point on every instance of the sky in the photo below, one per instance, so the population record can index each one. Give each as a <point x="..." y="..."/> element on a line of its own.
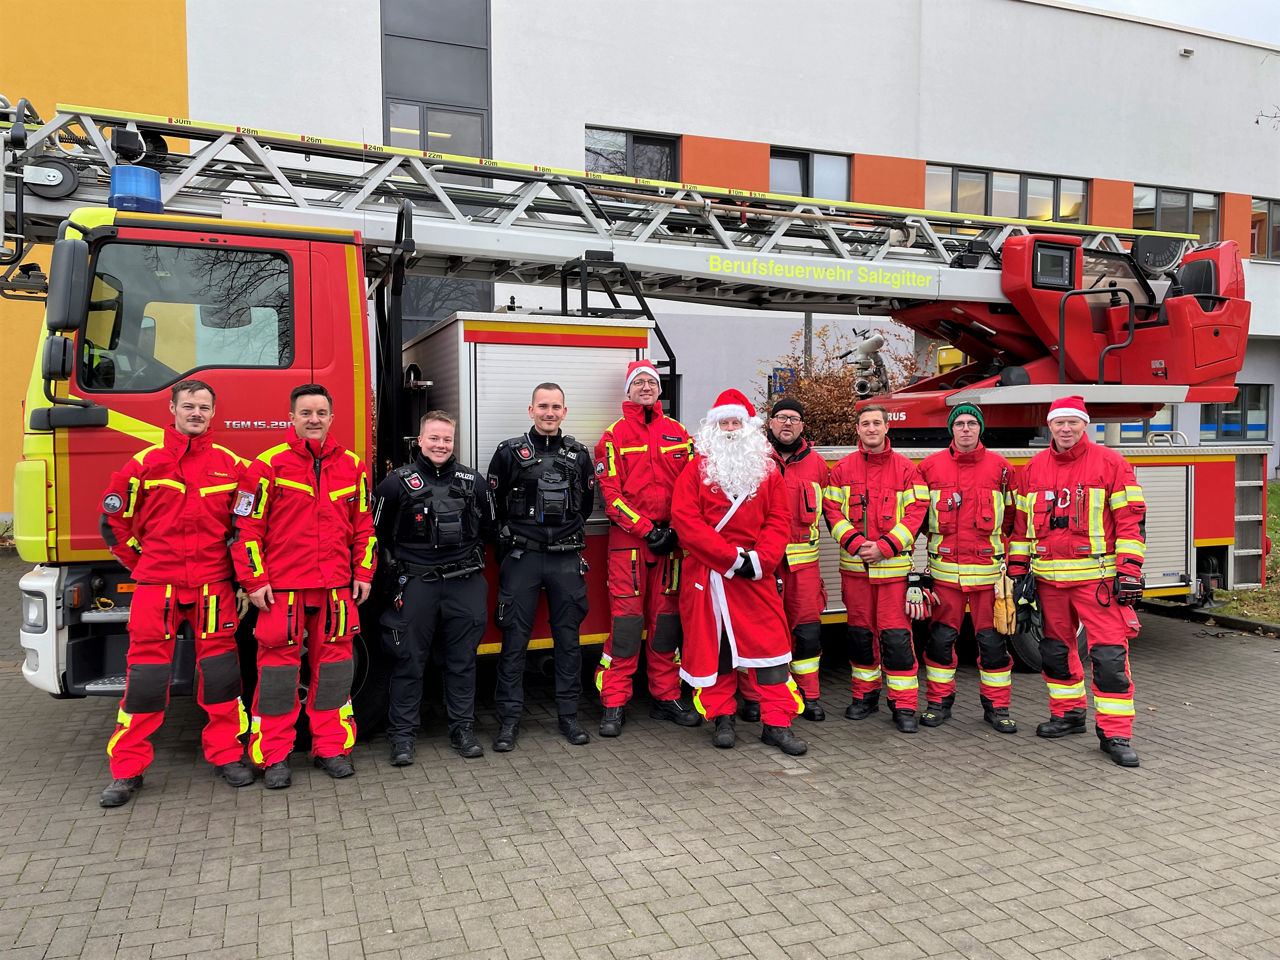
<point x="1250" y="19"/>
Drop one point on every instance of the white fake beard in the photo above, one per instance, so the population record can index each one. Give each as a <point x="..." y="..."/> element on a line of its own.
<point x="737" y="462"/>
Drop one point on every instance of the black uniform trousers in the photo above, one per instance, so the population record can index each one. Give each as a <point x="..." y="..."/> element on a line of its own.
<point x="519" y="582"/>
<point x="447" y="617"/>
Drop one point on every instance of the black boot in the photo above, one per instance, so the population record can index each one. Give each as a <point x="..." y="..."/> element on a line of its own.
<point x="675" y="711"/>
<point x="784" y="740"/>
<point x="401" y="753"/>
<point x="1120" y="749"/>
<point x="1070" y="722"/>
<point x="813" y="711"/>
<point x="863" y="708"/>
<point x="905" y="720"/>
<point x="120" y="791"/>
<point x="505" y="741"/>
<point x="572" y="730"/>
<point x="277" y="776"/>
<point x="724" y="737"/>
<point x="749" y="712"/>
<point x="338" y="766"/>
<point x="611" y="722"/>
<point x="236" y="773"/>
<point x="936" y="714"/>
<point x="463" y="740"/>
<point x="999" y="719"/>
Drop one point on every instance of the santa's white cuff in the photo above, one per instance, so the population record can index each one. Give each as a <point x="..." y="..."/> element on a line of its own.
<point x="755" y="562"/>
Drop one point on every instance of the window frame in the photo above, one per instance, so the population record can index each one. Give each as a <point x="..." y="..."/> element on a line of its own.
<point x="1241" y="407"/>
<point x="1191" y="194"/>
<point x="670" y="140"/>
<point x="1270" y="229"/>
<point x="989" y="174"/>
<point x="808" y="169"/>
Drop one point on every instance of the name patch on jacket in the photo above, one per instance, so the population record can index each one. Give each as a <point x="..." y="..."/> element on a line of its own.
<point x="244" y="503"/>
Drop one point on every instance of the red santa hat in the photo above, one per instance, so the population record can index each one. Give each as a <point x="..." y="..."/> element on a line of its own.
<point x="637" y="367"/>
<point x="1068" y="407"/>
<point x="731" y="403"/>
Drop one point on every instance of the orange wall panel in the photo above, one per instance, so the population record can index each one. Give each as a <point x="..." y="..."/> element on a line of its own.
<point x="1111" y="203"/>
<point x="1234" y="219"/>
<point x="713" y="162"/>
<point x="888" y="181"/>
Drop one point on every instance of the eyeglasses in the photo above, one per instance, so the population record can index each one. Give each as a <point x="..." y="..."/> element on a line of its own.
<point x="782" y="419"/>
<point x="966" y="424"/>
<point x="644" y="382"/>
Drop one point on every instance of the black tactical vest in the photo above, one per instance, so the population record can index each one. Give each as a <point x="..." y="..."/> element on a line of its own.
<point x="546" y="489"/>
<point x="434" y="513"/>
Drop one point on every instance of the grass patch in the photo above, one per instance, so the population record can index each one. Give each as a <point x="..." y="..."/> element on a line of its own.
<point x="1261" y="604"/>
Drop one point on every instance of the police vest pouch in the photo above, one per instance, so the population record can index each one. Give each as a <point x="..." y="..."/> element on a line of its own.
<point x="553" y="498"/>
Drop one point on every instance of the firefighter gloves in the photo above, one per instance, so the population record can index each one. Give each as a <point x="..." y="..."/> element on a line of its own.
<point x="1129" y="588"/>
<point x="920" y="596"/>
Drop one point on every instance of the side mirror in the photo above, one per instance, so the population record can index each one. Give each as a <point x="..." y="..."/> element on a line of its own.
<point x="68" y="285"/>
<point x="58" y="359"/>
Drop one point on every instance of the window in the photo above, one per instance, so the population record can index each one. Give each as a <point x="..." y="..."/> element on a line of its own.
<point x="1244" y="418"/>
<point x="649" y="156"/>
<point x="1177" y="211"/>
<point x="1000" y="193"/>
<point x="799" y="173"/>
<point x="1162" y="422"/>
<point x="1264" y="230"/>
<point x="159" y="313"/>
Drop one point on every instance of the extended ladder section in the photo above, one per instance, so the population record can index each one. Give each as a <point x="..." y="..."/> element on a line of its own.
<point x="479" y="219"/>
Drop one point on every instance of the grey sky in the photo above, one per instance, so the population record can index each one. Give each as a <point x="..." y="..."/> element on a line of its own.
<point x="1250" y="19"/>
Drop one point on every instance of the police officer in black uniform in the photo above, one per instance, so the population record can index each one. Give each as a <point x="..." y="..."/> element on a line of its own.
<point x="433" y="516"/>
<point x="544" y="491"/>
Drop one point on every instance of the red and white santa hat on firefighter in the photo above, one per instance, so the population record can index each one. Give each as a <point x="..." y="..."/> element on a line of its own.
<point x="1068" y="407"/>
<point x="731" y="403"/>
<point x="637" y="367"/>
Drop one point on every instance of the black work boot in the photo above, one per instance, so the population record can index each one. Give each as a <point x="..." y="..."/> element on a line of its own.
<point x="935" y="714"/>
<point x="724" y="737"/>
<point x="749" y="712"/>
<point x="236" y="773"/>
<point x="905" y="720"/>
<point x="862" y="708"/>
<point x="783" y="739"/>
<point x="463" y="740"/>
<point x="506" y="739"/>
<point x="277" y="776"/>
<point x="401" y="753"/>
<point x="572" y="730"/>
<point x="120" y="791"/>
<point x="339" y="767"/>
<point x="1120" y="749"/>
<point x="675" y="711"/>
<point x="611" y="722"/>
<point x="813" y="711"/>
<point x="1070" y="722"/>
<point x="999" y="719"/>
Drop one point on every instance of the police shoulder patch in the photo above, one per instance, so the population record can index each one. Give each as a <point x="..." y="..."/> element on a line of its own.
<point x="244" y="503"/>
<point x="599" y="467"/>
<point x="112" y="503"/>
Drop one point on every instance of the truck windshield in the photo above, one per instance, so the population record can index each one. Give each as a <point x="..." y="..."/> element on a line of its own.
<point x="1104" y="268"/>
<point x="157" y="313"/>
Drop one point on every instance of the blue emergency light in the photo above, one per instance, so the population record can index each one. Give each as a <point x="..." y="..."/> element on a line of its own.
<point x="135" y="188"/>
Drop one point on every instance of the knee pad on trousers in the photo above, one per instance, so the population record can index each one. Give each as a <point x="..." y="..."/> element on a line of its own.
<point x="807" y="640"/>
<point x="667" y="633"/>
<point x="147" y="688"/>
<point x="896" y="651"/>
<point x="1053" y="659"/>
<point x="1108" y="668"/>
<point x="993" y="652"/>
<point x="626" y="636"/>
<point x="860" y="645"/>
<point x="221" y="674"/>
<point x="277" y="690"/>
<point x="333" y="684"/>
<point x="942" y="642"/>
<point x="777" y="673"/>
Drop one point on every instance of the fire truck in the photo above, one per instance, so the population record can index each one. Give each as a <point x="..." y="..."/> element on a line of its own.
<point x="248" y="258"/>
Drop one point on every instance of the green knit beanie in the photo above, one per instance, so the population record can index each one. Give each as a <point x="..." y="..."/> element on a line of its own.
<point x="970" y="408"/>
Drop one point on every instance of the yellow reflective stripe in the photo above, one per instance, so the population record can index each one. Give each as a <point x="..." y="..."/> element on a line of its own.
<point x="255" y="742"/>
<point x="867" y="674"/>
<point x="1027" y="505"/>
<point x="1019" y="548"/>
<point x="891" y="569"/>
<point x="1097" y="532"/>
<point x="341" y="607"/>
<point x="1086" y="568"/>
<point x="364" y="492"/>
<point x="1064" y="691"/>
<point x="997" y="507"/>
<point x="220" y="488"/>
<point x="211" y="611"/>
<point x="838" y="495"/>
<point x="917" y="491"/>
<point x="674" y="579"/>
<point x="805" y="666"/>
<point x="266" y="455"/>
<point x="940" y="674"/>
<point x="133" y="542"/>
<point x="898" y="681"/>
<point x="626" y="450"/>
<point x="254" y="552"/>
<point x="260" y="501"/>
<point x="366" y="561"/>
<point x="995" y="678"/>
<point x="687" y="446"/>
<point x="347" y="717"/>
<point x="335" y="494"/>
<point x="1134" y="547"/>
<point x="243" y="716"/>
<point x="123" y="720"/>
<point x="622" y="508"/>
<point x="1114" y="706"/>
<point x="697" y="702"/>
<point x="970" y="573"/>
<point x="141" y="455"/>
<point x="796" y="695"/>
<point x="611" y="459"/>
<point x="900" y="535"/>
<point x="801" y="553"/>
<point x="164" y="482"/>
<point x="281" y="481"/>
<point x="230" y="453"/>
<point x="133" y="497"/>
<point x="839" y="529"/>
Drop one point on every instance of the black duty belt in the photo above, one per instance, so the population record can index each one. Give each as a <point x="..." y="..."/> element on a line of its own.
<point x="444" y="571"/>
<point x="572" y="545"/>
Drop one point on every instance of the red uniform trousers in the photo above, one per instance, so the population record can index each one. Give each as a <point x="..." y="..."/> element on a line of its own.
<point x="879" y="634"/>
<point x="995" y="665"/>
<point x="156" y="613"/>
<point x="326" y="619"/>
<point x="1109" y="626"/>
<point x="780" y="701"/>
<point x="804" y="597"/>
<point x="644" y="600"/>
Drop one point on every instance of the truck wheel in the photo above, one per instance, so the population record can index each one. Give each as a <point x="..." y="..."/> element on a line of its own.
<point x="369" y="692"/>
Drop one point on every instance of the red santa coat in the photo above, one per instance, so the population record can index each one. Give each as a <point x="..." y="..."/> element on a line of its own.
<point x="714" y="600"/>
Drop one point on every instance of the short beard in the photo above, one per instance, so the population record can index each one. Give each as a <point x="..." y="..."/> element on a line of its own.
<point x="737" y="462"/>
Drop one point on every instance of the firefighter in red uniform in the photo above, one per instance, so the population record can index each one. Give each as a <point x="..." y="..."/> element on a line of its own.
<point x="804" y="596"/>
<point x="874" y="505"/>
<point x="305" y="551"/>
<point x="1080" y="533"/>
<point x="166" y="516"/>
<point x="637" y="462"/>
<point x="970" y="515"/>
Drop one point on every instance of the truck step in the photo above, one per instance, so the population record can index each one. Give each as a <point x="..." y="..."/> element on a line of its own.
<point x="105" y="687"/>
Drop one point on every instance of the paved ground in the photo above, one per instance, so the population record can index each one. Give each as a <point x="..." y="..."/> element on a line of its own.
<point x="955" y="842"/>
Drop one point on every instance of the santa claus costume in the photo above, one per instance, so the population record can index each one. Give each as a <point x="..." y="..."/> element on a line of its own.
<point x="731" y="511"/>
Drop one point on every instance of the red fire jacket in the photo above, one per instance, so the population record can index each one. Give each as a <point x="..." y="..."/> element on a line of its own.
<point x="166" y="514"/>
<point x="1079" y="517"/>
<point x="805" y="473"/>
<point x="303" y="521"/>
<point x="637" y="462"/>
<point x="970" y="514"/>
<point x="877" y="496"/>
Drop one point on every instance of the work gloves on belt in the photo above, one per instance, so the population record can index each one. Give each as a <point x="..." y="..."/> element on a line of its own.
<point x="920" y="596"/>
